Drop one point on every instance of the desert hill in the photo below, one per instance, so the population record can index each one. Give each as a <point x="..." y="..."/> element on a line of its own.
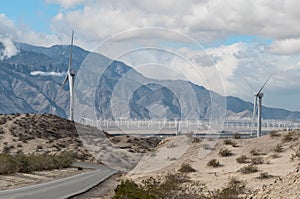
<point x="264" y="164"/>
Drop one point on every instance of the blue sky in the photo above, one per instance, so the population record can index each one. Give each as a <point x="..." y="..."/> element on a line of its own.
<point x="252" y="38"/>
<point x="35" y="14"/>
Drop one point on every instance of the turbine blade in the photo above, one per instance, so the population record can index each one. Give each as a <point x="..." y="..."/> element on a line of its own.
<point x="70" y="61"/>
<point x="247" y="82"/>
<point x="254" y="113"/>
<point x="65" y="81"/>
<point x="264" y="84"/>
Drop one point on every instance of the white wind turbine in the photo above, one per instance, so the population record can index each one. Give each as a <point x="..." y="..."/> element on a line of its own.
<point x="258" y="95"/>
<point x="70" y="76"/>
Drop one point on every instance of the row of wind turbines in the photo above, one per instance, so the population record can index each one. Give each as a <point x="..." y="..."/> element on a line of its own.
<point x="257" y="108"/>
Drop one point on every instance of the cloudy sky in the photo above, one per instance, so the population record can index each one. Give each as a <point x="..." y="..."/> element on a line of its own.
<point x="224" y="45"/>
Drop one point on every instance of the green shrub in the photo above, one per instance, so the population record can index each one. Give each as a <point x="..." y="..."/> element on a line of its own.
<point x="129" y="190"/>
<point x="242" y="159"/>
<point x="249" y="169"/>
<point x="225" y="152"/>
<point x="233" y="190"/>
<point x="171" y="187"/>
<point x="186" y="168"/>
<point x="213" y="163"/>
<point x="30" y="163"/>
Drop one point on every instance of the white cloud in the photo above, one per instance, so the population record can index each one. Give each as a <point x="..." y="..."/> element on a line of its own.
<point x="9" y="48"/>
<point x="286" y="46"/>
<point x="48" y="73"/>
<point x="205" y="20"/>
<point x="8" y="29"/>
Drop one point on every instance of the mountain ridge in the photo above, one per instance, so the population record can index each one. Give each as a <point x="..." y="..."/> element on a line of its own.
<point x="23" y="92"/>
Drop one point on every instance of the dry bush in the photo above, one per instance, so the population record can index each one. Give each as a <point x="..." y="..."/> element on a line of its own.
<point x="257" y="160"/>
<point x="237" y="136"/>
<point x="186" y="168"/>
<point x="291" y="136"/>
<point x="278" y="148"/>
<point x="196" y="140"/>
<point x="207" y="147"/>
<point x="264" y="175"/>
<point x="249" y="169"/>
<point x="296" y="155"/>
<point x="255" y="152"/>
<point x="230" y="142"/>
<point x="233" y="190"/>
<point x="225" y="152"/>
<point x="275" y="155"/>
<point x="274" y="134"/>
<point x="242" y="159"/>
<point x="213" y="163"/>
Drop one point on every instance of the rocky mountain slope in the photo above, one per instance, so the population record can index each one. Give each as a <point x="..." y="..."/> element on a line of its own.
<point x="30" y="82"/>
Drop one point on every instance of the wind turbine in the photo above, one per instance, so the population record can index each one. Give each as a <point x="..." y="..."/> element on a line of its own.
<point x="70" y="76"/>
<point x="258" y="95"/>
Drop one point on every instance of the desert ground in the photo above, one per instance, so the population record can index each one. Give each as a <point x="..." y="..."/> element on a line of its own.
<point x="269" y="165"/>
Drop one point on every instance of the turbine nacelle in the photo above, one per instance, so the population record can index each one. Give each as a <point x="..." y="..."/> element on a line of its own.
<point x="259" y="95"/>
<point x="73" y="73"/>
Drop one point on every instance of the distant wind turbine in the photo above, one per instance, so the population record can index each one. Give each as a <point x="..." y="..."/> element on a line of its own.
<point x="258" y="95"/>
<point x="70" y="76"/>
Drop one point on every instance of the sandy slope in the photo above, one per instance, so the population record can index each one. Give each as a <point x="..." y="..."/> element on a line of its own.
<point x="172" y="152"/>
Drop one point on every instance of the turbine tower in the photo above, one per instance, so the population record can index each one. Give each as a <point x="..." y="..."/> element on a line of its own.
<point x="258" y="95"/>
<point x="70" y="76"/>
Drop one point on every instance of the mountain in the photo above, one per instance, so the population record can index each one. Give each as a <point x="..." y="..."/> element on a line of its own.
<point x="30" y="82"/>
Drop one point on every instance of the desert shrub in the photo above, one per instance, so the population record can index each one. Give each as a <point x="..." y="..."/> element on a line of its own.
<point x="291" y="136"/>
<point x="225" y="152"/>
<point x="274" y="134"/>
<point x="249" y="169"/>
<point x="213" y="163"/>
<point x="29" y="163"/>
<point x="242" y="159"/>
<point x="19" y="145"/>
<point x="7" y="164"/>
<point x="237" y="136"/>
<point x="171" y="187"/>
<point x="129" y="189"/>
<point x="296" y="155"/>
<point x="196" y="140"/>
<point x="230" y="142"/>
<point x="207" y="147"/>
<point x="233" y="189"/>
<point x="264" y="175"/>
<point x="257" y="160"/>
<point x="186" y="168"/>
<point x="6" y="149"/>
<point x="39" y="147"/>
<point x="278" y="148"/>
<point x="275" y="155"/>
<point x="255" y="152"/>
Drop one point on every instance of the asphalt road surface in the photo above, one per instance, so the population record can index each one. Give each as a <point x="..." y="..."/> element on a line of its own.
<point x="62" y="188"/>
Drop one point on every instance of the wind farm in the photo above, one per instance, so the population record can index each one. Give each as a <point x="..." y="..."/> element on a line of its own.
<point x="149" y="100"/>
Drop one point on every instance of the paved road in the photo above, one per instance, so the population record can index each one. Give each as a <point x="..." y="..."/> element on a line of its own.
<point x="62" y="188"/>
